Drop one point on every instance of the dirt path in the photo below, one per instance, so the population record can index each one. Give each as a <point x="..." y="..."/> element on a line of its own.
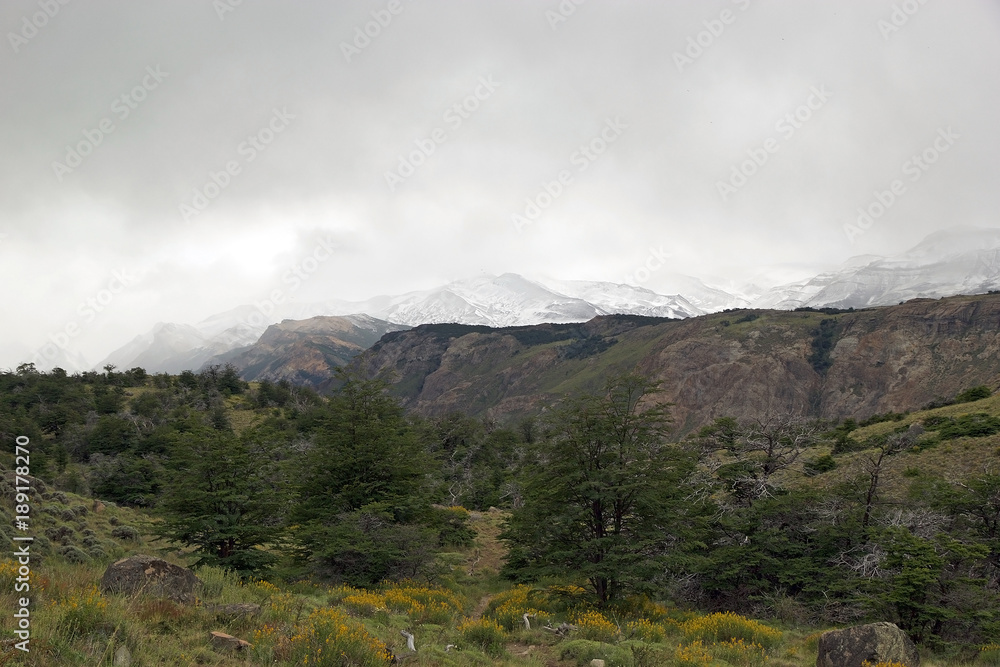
<point x="484" y="602"/>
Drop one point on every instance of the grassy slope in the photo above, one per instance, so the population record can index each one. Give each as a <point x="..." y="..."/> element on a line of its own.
<point x="162" y="633"/>
<point x="72" y="624"/>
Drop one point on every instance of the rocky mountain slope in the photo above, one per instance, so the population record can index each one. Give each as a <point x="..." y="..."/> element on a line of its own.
<point x="306" y="352"/>
<point x="741" y="363"/>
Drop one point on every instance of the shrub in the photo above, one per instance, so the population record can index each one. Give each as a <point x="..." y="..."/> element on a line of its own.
<point x="329" y="638"/>
<point x="990" y="654"/>
<point x="975" y="425"/>
<point x="81" y="614"/>
<point x="8" y="574"/>
<point x="583" y="651"/>
<point x="125" y="533"/>
<point x="508" y="608"/>
<point x="974" y="394"/>
<point x="693" y="655"/>
<point x="364" y="603"/>
<point x="595" y="627"/>
<point x="820" y="465"/>
<point x="484" y="633"/>
<point x="727" y="626"/>
<point x="645" y="630"/>
<point x="739" y="652"/>
<point x="74" y="554"/>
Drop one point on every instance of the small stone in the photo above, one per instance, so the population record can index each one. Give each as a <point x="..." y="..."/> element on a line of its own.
<point x="596" y="662"/>
<point x="123" y="657"/>
<point x="222" y="641"/>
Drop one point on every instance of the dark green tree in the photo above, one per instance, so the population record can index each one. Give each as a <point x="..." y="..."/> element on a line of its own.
<point x="224" y="496"/>
<point x="362" y="493"/>
<point x="604" y="496"/>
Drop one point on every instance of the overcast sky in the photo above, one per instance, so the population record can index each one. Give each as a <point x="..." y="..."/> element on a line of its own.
<point x="171" y="160"/>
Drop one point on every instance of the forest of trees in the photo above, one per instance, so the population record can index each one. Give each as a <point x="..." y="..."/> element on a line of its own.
<point x="349" y="487"/>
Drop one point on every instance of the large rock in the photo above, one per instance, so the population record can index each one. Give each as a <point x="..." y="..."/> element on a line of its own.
<point x="873" y="643"/>
<point x="148" y="574"/>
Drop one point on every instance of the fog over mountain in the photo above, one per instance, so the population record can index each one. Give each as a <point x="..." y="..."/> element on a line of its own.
<point x="964" y="261"/>
<point x="165" y="162"/>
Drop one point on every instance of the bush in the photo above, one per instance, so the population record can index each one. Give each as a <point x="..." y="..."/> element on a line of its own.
<point x="330" y="638"/>
<point x="484" y="633"/>
<point x="508" y="608"/>
<point x="125" y="533"/>
<point x="645" y="630"/>
<point x="74" y="554"/>
<point x="583" y="651"/>
<point x="727" y="626"/>
<point x="820" y="465"/>
<point x="692" y="655"/>
<point x="975" y="425"/>
<point x="81" y="614"/>
<point x="974" y="394"/>
<point x="739" y="652"/>
<point x="989" y="655"/>
<point x="595" y="627"/>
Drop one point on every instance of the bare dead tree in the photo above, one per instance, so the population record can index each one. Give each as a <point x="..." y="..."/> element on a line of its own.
<point x="874" y="463"/>
<point x="761" y="447"/>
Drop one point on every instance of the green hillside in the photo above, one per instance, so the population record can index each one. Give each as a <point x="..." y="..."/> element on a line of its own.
<point x="349" y="520"/>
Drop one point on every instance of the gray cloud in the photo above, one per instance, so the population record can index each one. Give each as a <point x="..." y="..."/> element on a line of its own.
<point x="324" y="173"/>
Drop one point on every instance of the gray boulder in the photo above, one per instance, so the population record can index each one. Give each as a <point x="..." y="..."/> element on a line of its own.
<point x="873" y="643"/>
<point x="152" y="575"/>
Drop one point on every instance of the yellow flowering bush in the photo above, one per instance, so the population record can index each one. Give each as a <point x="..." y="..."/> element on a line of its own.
<point x="80" y="613"/>
<point x="508" y="608"/>
<point x="8" y="574"/>
<point x="484" y="633"/>
<point x="728" y="626"/>
<point x="990" y="654"/>
<point x="594" y="626"/>
<point x="693" y="655"/>
<point x="420" y="603"/>
<point x="740" y="652"/>
<point x="645" y="630"/>
<point x="330" y="638"/>
<point x="364" y="603"/>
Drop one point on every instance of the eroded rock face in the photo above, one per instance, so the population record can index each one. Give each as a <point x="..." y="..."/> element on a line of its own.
<point x="152" y="575"/>
<point x="741" y="364"/>
<point x="872" y="643"/>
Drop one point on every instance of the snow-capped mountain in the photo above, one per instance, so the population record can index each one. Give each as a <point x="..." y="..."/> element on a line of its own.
<point x="497" y="301"/>
<point x="615" y="298"/>
<point x="512" y="300"/>
<point x="959" y="261"/>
